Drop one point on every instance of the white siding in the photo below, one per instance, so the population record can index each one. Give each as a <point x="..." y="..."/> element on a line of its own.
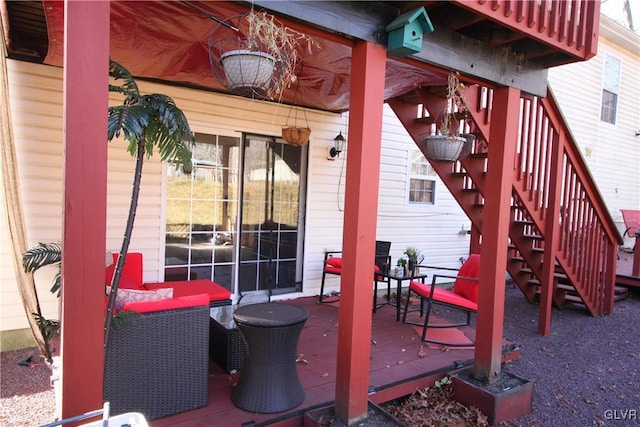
<point x="36" y="97"/>
<point x="433" y="229"/>
<point x="611" y="150"/>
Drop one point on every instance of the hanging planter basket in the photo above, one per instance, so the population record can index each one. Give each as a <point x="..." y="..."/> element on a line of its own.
<point x="467" y="148"/>
<point x="442" y="148"/>
<point x="296" y="135"/>
<point x="293" y="133"/>
<point x="255" y="55"/>
<point x="246" y="69"/>
<point x="449" y="145"/>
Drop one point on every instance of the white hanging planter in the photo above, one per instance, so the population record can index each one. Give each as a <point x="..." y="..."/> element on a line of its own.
<point x="248" y="69"/>
<point x="442" y="148"/>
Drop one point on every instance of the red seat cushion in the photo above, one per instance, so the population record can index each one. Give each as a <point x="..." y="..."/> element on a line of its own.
<point x="469" y="288"/>
<point x="168" y="304"/>
<point x="334" y="266"/>
<point x="334" y="262"/>
<point x="443" y="295"/>
<point x="333" y="270"/>
<point x="215" y="291"/>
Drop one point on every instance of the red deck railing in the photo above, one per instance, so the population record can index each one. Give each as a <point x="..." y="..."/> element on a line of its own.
<point x="585" y="243"/>
<point x="554" y="185"/>
<point x="567" y="25"/>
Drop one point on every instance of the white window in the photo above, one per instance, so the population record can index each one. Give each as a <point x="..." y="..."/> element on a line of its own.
<point x="610" y="89"/>
<point x="422" y="180"/>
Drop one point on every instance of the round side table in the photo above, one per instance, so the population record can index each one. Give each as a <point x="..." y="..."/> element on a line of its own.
<point x="269" y="379"/>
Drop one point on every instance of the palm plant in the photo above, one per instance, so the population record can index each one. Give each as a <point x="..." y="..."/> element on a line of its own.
<point x="145" y="121"/>
<point x="33" y="259"/>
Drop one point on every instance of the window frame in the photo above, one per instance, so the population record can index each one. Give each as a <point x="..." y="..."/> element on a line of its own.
<point x="411" y="176"/>
<point x="610" y="83"/>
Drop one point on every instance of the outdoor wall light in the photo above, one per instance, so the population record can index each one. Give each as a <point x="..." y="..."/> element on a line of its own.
<point x="338" y="146"/>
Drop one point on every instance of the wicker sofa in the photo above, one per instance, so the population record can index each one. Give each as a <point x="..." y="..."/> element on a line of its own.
<point x="157" y="363"/>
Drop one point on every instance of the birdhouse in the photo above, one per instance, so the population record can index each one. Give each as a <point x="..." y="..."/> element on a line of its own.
<point x="406" y="31"/>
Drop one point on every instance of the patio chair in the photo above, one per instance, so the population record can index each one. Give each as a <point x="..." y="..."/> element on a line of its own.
<point x="463" y="296"/>
<point x="631" y="222"/>
<point x="333" y="265"/>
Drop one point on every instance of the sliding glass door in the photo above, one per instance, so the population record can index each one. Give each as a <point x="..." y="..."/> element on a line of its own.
<point x="237" y="217"/>
<point x="272" y="217"/>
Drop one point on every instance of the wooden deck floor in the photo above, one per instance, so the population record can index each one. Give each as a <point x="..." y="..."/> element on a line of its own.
<point x="397" y="369"/>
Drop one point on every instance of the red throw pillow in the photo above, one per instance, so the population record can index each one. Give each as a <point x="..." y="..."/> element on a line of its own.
<point x="335" y="262"/>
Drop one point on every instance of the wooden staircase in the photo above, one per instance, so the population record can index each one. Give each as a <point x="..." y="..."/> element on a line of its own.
<point x="558" y="217"/>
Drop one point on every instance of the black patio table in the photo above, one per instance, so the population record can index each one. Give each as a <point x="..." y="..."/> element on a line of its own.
<point x="399" y="278"/>
<point x="269" y="379"/>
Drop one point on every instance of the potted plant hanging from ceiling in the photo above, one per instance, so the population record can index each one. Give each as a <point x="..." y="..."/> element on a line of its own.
<point x="448" y="145"/>
<point x="293" y="133"/>
<point x="258" y="55"/>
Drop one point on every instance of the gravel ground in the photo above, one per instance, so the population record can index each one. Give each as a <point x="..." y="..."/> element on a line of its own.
<point x="585" y="372"/>
<point x="26" y="396"/>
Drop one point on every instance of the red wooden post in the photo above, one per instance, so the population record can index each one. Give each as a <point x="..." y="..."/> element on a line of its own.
<point x="635" y="270"/>
<point x="495" y="232"/>
<point x="552" y="231"/>
<point x="474" y="241"/>
<point x="360" y="221"/>
<point x="86" y="81"/>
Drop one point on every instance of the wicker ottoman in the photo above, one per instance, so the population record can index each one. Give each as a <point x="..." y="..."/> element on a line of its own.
<point x="226" y="345"/>
<point x="269" y="379"/>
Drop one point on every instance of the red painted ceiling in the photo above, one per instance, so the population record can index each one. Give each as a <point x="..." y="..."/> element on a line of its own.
<point x="169" y="41"/>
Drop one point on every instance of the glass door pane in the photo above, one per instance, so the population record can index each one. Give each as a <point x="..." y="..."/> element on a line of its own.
<point x="271" y="228"/>
<point x="202" y="213"/>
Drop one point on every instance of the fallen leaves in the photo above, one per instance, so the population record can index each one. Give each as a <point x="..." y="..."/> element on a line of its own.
<point x="422" y="353"/>
<point x="435" y="406"/>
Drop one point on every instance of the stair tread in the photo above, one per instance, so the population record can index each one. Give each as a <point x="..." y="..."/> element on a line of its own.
<point x="426" y="120"/>
<point x="533" y="236"/>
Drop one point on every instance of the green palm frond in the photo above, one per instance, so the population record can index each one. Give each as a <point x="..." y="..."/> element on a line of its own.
<point x="129" y="86"/>
<point x="154" y="118"/>
<point x="41" y="255"/>
<point x="124" y="317"/>
<point x="131" y="120"/>
<point x="48" y="328"/>
<point x="55" y="286"/>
